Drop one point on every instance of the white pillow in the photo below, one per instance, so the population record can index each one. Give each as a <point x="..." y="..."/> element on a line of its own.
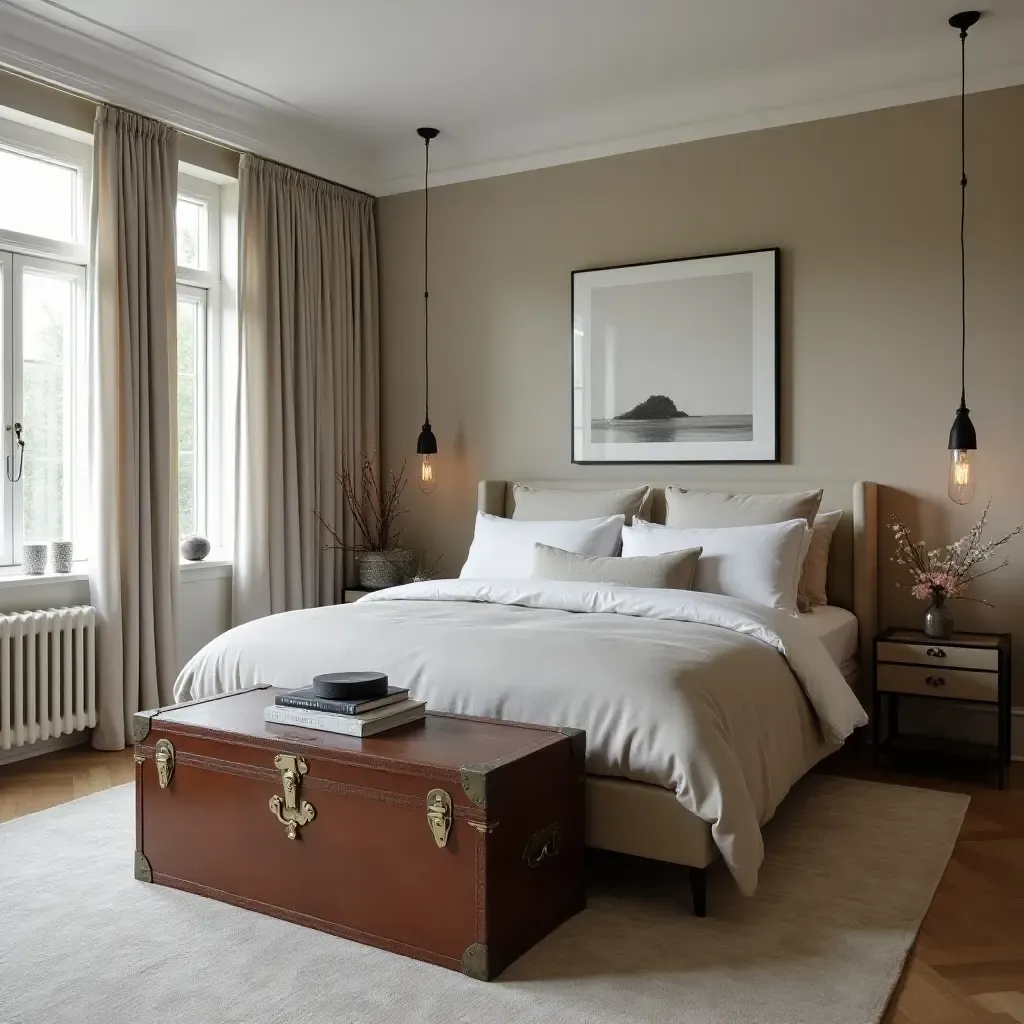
<point x="503" y="548"/>
<point x="761" y="564"/>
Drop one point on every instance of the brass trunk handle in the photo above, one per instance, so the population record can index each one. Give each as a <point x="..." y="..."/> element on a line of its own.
<point x="543" y="845"/>
<point x="935" y="652"/>
<point x="289" y="810"/>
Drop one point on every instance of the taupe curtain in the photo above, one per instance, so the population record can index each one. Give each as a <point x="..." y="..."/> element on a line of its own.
<point x="308" y="383"/>
<point x="133" y="419"/>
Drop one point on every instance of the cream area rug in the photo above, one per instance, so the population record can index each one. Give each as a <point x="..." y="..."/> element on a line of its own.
<point x="851" y="868"/>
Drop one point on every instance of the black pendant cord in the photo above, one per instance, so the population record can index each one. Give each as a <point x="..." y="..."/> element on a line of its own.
<point x="426" y="279"/>
<point x="963" y="216"/>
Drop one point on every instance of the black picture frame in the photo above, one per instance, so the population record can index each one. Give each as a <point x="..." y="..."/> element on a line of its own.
<point x="773" y="454"/>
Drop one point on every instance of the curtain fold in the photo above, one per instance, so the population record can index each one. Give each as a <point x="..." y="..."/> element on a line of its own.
<point x="133" y="417"/>
<point x="308" y="381"/>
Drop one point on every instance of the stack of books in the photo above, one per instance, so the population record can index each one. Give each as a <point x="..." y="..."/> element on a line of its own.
<point x="358" y="716"/>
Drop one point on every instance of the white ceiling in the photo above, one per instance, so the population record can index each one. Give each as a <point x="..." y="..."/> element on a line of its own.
<point x="515" y="84"/>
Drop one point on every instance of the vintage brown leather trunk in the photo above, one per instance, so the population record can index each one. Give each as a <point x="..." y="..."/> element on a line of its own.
<point x="454" y="840"/>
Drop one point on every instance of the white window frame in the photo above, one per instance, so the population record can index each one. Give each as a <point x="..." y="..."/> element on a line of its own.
<point x="211" y="458"/>
<point x="14" y="267"/>
<point x="18" y="252"/>
<point x="34" y="142"/>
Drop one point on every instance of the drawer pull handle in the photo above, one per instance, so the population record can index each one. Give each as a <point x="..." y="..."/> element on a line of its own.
<point x="935" y="681"/>
<point x="935" y="652"/>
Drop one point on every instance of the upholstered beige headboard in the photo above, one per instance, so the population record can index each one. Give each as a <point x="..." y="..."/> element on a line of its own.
<point x="853" y="562"/>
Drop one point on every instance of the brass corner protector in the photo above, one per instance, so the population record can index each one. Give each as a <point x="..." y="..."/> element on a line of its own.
<point x="140" y="727"/>
<point x="474" y="783"/>
<point x="143" y="872"/>
<point x="577" y="741"/>
<point x="474" y="962"/>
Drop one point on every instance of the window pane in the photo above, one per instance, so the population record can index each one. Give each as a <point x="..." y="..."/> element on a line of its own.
<point x="191" y="337"/>
<point x="188" y="310"/>
<point x="186" y="412"/>
<point x="186" y="493"/>
<point x="48" y="313"/>
<point x="37" y="196"/>
<point x="191" y="228"/>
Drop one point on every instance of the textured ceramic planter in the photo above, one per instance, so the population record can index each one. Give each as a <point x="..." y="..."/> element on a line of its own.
<point x="381" y="569"/>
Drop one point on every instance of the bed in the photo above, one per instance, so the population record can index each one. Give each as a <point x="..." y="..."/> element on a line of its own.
<point x="678" y="774"/>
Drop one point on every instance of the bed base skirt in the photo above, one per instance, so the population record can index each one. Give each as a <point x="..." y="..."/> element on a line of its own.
<point x="648" y="821"/>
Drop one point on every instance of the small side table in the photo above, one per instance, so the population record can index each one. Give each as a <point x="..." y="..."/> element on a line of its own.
<point x="971" y="668"/>
<point x="353" y="595"/>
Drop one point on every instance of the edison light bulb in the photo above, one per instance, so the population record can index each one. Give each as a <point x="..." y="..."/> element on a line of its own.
<point x="961" y="475"/>
<point x="427" y="479"/>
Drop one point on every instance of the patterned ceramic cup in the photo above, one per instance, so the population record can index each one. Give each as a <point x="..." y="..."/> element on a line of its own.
<point x="61" y="555"/>
<point x="33" y="559"/>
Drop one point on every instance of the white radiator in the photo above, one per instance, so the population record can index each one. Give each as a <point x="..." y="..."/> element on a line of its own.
<point x="47" y="674"/>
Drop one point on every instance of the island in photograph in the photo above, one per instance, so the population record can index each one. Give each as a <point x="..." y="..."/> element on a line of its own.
<point x="657" y="419"/>
<point x="676" y="361"/>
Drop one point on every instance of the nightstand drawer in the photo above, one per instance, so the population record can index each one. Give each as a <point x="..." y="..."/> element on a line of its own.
<point x="930" y="681"/>
<point x="940" y="656"/>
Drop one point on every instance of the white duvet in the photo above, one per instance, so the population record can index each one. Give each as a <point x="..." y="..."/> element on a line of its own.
<point x="724" y="702"/>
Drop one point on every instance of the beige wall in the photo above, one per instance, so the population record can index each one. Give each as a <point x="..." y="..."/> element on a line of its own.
<point x="865" y="209"/>
<point x="61" y="107"/>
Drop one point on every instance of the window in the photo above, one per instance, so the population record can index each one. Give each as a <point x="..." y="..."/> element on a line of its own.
<point x="193" y="225"/>
<point x="192" y="348"/>
<point x="202" y="409"/>
<point x="42" y="332"/>
<point x="38" y="196"/>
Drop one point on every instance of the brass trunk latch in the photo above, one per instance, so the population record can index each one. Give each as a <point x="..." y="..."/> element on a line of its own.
<point x="290" y="811"/>
<point x="439" y="815"/>
<point x="164" y="757"/>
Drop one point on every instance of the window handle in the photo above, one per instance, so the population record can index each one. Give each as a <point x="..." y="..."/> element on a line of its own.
<point x="21" y="460"/>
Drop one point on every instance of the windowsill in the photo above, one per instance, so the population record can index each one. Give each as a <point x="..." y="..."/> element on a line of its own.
<point x="210" y="568"/>
<point x="12" y="576"/>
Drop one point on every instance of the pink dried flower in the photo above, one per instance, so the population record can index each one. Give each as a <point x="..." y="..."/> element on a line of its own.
<point x="946" y="571"/>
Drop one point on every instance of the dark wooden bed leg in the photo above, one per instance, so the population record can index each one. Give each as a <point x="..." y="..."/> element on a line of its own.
<point x="699" y="891"/>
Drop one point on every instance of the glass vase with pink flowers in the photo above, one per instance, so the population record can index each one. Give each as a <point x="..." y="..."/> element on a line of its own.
<point x="945" y="573"/>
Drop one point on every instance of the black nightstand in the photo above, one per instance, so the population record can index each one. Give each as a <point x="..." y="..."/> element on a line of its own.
<point x="972" y="668"/>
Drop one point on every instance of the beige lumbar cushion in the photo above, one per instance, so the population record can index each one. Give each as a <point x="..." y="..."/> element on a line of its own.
<point x="671" y="571"/>
<point x="700" y="510"/>
<point x="814" y="585"/>
<point x="545" y="503"/>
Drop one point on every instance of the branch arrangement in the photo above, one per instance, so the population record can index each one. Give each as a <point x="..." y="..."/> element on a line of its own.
<point x="375" y="506"/>
<point x="946" y="572"/>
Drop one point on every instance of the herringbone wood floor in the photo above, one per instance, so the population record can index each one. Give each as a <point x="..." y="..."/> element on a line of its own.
<point x="967" y="966"/>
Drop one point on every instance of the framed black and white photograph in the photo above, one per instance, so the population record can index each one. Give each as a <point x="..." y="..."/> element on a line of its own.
<point x="677" y="361"/>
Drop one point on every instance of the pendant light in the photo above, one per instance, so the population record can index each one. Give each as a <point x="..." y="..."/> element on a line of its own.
<point x="426" y="444"/>
<point x="963" y="441"/>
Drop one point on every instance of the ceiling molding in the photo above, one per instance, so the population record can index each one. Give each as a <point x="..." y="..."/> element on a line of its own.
<point x="751" y="120"/>
<point x="152" y="82"/>
<point x="48" y="41"/>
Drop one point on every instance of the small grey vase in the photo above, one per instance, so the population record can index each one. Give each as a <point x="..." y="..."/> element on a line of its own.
<point x="938" y="619"/>
<point x="194" y="548"/>
<point x="33" y="559"/>
<point x="62" y="555"/>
